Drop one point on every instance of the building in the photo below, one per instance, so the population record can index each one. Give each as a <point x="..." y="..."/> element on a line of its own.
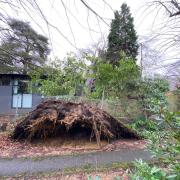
<point x="16" y="95"/>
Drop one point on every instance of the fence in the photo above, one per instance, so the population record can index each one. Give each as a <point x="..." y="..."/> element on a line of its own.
<point x="120" y="109"/>
<point x="123" y="108"/>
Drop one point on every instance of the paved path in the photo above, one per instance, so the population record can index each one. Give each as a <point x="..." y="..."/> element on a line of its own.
<point x="10" y="167"/>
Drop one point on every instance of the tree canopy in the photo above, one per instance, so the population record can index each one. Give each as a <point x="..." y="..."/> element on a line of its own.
<point x="115" y="81"/>
<point x="22" y="48"/>
<point x="122" y="36"/>
<point x="65" y="78"/>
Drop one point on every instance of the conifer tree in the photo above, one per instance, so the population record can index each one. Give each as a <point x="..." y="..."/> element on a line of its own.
<point x="22" y="48"/>
<point x="122" y="36"/>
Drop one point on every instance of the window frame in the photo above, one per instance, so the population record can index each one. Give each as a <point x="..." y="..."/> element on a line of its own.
<point x="21" y="94"/>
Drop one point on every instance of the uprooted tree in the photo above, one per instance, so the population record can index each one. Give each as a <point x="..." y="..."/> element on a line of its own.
<point x="54" y="117"/>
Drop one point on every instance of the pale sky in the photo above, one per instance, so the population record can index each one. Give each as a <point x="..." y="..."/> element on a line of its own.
<point x="85" y="27"/>
<point x="76" y="27"/>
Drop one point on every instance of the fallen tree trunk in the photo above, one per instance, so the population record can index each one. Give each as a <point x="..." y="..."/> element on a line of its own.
<point x="54" y="117"/>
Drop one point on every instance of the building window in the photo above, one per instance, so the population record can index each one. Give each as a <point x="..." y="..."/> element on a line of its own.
<point x="22" y="95"/>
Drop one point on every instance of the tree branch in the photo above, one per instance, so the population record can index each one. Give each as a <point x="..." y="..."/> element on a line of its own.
<point x="94" y="12"/>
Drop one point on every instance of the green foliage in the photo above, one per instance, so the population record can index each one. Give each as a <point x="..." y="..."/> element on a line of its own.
<point x="22" y="48"/>
<point x="60" y="79"/>
<point x="172" y="119"/>
<point x="165" y="147"/>
<point x="153" y="93"/>
<point x="103" y="73"/>
<point x="144" y="124"/>
<point x="170" y="138"/>
<point x="122" y="36"/>
<point x="114" y="81"/>
<point x="48" y="81"/>
<point x="145" y="172"/>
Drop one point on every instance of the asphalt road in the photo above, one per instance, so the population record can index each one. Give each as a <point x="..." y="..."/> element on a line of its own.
<point x="11" y="167"/>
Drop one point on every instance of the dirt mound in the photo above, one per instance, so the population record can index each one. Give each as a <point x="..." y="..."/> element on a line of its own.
<point x="54" y="117"/>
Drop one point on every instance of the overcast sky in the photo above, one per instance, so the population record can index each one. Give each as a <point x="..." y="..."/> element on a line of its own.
<point x="72" y="26"/>
<point x="79" y="26"/>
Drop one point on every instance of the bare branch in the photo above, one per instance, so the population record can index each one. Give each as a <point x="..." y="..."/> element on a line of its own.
<point x="94" y="12"/>
<point x="69" y="22"/>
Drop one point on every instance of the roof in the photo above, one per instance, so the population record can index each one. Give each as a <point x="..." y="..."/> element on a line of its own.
<point x="14" y="75"/>
<point x="25" y="76"/>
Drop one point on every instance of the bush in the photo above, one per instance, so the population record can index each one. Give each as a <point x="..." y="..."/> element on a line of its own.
<point x="153" y="92"/>
<point x="165" y="147"/>
<point x="143" y="171"/>
<point x="144" y="124"/>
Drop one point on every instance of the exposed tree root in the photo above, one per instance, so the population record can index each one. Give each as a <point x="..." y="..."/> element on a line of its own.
<point x="54" y="117"/>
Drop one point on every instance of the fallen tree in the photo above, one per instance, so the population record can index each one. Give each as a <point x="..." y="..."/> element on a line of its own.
<point x="54" y="117"/>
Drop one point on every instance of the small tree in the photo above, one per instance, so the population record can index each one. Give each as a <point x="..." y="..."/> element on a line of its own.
<point x="122" y="36"/>
<point x="115" y="81"/>
<point x="22" y="47"/>
<point x="60" y="79"/>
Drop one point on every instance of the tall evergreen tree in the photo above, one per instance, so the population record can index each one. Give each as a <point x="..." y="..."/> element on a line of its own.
<point x="122" y="36"/>
<point x="22" y="48"/>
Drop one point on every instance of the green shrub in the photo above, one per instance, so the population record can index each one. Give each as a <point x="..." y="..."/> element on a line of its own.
<point x="145" y="172"/>
<point x="165" y="147"/>
<point x="144" y="124"/>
